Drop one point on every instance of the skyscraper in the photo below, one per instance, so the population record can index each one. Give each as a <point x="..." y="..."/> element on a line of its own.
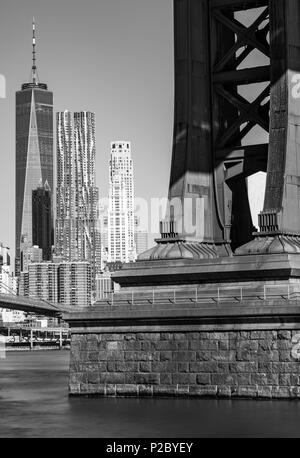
<point x="140" y="236"/>
<point x="77" y="232"/>
<point x="42" y="227"/>
<point x="121" y="245"/>
<point x="34" y="149"/>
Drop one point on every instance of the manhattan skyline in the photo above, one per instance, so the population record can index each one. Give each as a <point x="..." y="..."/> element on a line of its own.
<point x="126" y="81"/>
<point x="114" y="58"/>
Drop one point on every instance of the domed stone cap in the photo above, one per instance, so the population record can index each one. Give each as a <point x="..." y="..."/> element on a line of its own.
<point x="277" y="244"/>
<point x="186" y="250"/>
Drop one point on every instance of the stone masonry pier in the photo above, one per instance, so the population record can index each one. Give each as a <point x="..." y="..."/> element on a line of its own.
<point x="239" y="349"/>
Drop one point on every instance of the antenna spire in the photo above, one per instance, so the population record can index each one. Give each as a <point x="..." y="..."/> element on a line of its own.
<point x="33" y="69"/>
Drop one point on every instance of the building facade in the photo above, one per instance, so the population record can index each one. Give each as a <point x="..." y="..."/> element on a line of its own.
<point x="141" y="237"/>
<point x="68" y="283"/>
<point x="121" y="243"/>
<point x="8" y="285"/>
<point x="75" y="284"/>
<point x="34" y="150"/>
<point x="43" y="281"/>
<point x="42" y="226"/>
<point x="29" y="254"/>
<point x="104" y="286"/>
<point x="77" y="235"/>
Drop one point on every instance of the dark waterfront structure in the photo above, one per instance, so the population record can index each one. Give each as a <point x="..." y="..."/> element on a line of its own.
<point x="42" y="220"/>
<point x="34" y="149"/>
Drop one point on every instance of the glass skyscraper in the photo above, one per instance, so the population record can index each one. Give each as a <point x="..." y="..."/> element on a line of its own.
<point x="34" y="150"/>
<point x="42" y="225"/>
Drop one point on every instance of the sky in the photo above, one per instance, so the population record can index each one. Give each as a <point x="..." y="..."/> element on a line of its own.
<point x="113" y="57"/>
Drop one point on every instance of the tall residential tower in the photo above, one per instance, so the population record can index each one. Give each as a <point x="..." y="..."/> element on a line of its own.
<point x="34" y="149"/>
<point x="77" y="232"/>
<point x="121" y="244"/>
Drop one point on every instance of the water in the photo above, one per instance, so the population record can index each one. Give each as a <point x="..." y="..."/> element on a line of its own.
<point x="34" y="402"/>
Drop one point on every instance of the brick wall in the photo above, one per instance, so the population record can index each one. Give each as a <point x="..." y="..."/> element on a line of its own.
<point x="224" y="364"/>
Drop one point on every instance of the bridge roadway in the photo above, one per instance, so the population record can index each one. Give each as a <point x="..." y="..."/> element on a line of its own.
<point x="32" y="305"/>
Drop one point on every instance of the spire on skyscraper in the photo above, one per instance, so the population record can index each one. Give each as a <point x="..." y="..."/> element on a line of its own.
<point x="33" y="68"/>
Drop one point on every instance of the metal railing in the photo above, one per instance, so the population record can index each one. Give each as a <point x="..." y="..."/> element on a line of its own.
<point x="198" y="296"/>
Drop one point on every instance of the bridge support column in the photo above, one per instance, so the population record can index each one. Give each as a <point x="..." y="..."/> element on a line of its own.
<point x="31" y="339"/>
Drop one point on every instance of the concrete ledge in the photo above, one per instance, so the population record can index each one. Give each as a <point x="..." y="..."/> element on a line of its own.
<point x="259" y="267"/>
<point x="256" y="315"/>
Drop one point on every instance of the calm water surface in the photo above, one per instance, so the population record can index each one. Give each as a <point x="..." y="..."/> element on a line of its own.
<point x="34" y="402"/>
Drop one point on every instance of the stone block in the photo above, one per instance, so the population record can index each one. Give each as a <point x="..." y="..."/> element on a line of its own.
<point x="203" y="391"/>
<point x="110" y="390"/>
<point x="244" y="379"/>
<point x="224" y="356"/>
<point x="204" y="355"/>
<point x="183" y="367"/>
<point x="148" y="336"/>
<point x="182" y="345"/>
<point x="74" y="388"/>
<point x="182" y="391"/>
<point x="147" y="379"/>
<point x="113" y="378"/>
<point x="224" y="379"/>
<point x="115" y="355"/>
<point x="145" y="366"/>
<point x="224" y="391"/>
<point x="127" y="390"/>
<point x="162" y="345"/>
<point x="203" y="366"/>
<point x="195" y="335"/>
<point x="223" y="368"/>
<point x="294" y="379"/>
<point x="165" y="366"/>
<point x="93" y="377"/>
<point x="284" y="335"/>
<point x="133" y="345"/>
<point x="243" y="367"/>
<point x="203" y="379"/>
<point x="264" y="392"/>
<point x="148" y="346"/>
<point x="166" y="356"/>
<point x="223" y="345"/>
<point x="145" y="390"/>
<point x="184" y="379"/>
<point x="295" y="392"/>
<point x="247" y="391"/>
<point x="166" y="379"/>
<point x="285" y="356"/>
<point x="184" y="356"/>
<point x="281" y="392"/>
<point x="166" y="336"/>
<point x="181" y="336"/>
<point x="287" y="380"/>
<point x="165" y="390"/>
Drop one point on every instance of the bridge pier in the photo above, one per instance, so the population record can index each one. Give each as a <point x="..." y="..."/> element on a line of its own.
<point x="216" y="343"/>
<point x="188" y="354"/>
